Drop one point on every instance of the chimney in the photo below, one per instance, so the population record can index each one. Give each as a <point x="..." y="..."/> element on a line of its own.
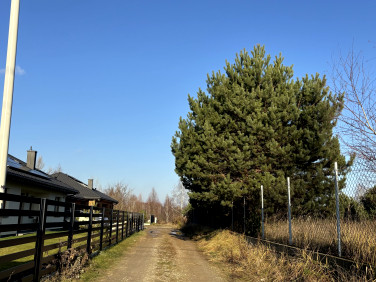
<point x="90" y="183"/>
<point x="31" y="158"/>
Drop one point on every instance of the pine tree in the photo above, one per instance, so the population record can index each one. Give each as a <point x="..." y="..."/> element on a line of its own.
<point x="256" y="126"/>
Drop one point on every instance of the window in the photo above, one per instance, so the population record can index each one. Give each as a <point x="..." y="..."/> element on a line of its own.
<point x="4" y="202"/>
<point x="57" y="199"/>
<point x="25" y="206"/>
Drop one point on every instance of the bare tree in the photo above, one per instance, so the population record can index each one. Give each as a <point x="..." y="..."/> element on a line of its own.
<point x="352" y="78"/>
<point x="57" y="169"/>
<point x="40" y="163"/>
<point x="167" y="208"/>
<point x="153" y="204"/>
<point x="123" y="194"/>
<point x="140" y="205"/>
<point x="132" y="204"/>
<point x="179" y="196"/>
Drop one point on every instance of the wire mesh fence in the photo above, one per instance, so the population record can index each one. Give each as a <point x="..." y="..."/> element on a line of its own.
<point x="345" y="224"/>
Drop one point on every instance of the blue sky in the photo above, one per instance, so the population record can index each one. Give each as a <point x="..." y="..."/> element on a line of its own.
<point x="101" y="84"/>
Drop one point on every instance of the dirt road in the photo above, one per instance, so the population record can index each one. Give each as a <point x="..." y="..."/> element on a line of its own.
<point x="163" y="254"/>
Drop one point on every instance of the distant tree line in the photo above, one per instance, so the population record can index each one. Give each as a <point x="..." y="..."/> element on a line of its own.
<point x="170" y="211"/>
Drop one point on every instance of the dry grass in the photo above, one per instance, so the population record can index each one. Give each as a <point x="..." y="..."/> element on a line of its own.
<point x="358" y="237"/>
<point x="70" y="264"/>
<point x="247" y="262"/>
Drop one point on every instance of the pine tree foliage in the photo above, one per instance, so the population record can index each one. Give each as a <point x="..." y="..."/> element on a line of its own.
<point x="258" y="125"/>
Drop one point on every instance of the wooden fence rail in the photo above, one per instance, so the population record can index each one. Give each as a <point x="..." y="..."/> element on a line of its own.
<point x="57" y="227"/>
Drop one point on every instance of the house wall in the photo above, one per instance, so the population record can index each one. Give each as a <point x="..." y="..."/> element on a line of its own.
<point x="33" y="191"/>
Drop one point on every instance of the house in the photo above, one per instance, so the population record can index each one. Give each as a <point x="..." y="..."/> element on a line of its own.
<point x="24" y="179"/>
<point x="87" y="195"/>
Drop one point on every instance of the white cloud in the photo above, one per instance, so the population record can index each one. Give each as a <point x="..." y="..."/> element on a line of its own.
<point x="18" y="71"/>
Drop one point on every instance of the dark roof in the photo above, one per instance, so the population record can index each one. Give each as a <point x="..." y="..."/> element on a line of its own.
<point x="84" y="191"/>
<point x="105" y="197"/>
<point x="18" y="171"/>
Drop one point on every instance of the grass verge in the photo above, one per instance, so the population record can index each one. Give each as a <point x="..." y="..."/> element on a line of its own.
<point x="245" y="262"/>
<point x="98" y="265"/>
<point x="76" y="265"/>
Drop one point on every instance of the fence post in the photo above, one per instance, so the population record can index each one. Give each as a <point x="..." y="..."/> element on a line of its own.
<point x="89" y="231"/>
<point x="111" y="219"/>
<point x="262" y="213"/>
<point x="117" y="226"/>
<point x="289" y="210"/>
<point x="40" y="239"/>
<point x="132" y="222"/>
<point x="337" y="210"/>
<point x="122" y="226"/>
<point x="127" y="225"/>
<point x="71" y="225"/>
<point x="102" y="230"/>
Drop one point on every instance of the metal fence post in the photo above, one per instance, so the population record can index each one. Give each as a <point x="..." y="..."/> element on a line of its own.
<point x="289" y="210"/>
<point x="102" y="230"/>
<point x="88" y="250"/>
<point x="262" y="213"/>
<point x="337" y="210"/>
<point x="40" y="240"/>
<point x="71" y="226"/>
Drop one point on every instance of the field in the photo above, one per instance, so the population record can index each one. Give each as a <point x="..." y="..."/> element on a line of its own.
<point x="358" y="238"/>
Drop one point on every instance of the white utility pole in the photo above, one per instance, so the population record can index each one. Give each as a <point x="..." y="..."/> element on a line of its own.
<point x="6" y="112"/>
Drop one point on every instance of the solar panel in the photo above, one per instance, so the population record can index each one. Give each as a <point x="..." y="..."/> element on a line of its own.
<point x="13" y="163"/>
<point x="40" y="173"/>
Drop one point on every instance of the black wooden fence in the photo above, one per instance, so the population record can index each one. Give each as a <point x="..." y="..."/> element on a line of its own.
<point x="55" y="228"/>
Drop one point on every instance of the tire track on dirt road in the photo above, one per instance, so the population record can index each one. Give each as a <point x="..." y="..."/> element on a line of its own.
<point x="163" y="254"/>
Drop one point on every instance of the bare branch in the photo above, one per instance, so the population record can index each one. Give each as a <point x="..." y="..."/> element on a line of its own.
<point x="352" y="78"/>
